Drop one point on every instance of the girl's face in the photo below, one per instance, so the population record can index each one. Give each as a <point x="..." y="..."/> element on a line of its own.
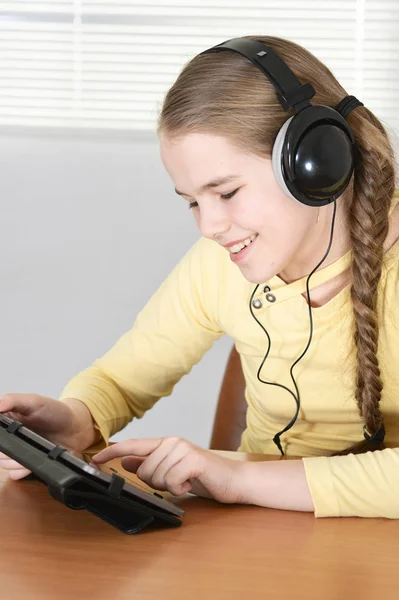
<point x="235" y="198"/>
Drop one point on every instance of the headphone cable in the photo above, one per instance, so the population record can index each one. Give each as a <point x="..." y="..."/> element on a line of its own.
<point x="296" y="397"/>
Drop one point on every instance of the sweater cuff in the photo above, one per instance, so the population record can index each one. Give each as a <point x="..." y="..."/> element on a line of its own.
<point x="320" y="480"/>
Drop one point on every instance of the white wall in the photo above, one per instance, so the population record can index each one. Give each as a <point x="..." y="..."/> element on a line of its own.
<point x="89" y="228"/>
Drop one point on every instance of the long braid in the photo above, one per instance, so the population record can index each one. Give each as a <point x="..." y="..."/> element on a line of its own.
<point x="368" y="220"/>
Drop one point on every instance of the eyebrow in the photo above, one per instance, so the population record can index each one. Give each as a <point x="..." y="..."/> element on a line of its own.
<point x="211" y="184"/>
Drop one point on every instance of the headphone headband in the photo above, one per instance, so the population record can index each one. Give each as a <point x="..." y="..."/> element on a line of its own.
<point x="291" y="92"/>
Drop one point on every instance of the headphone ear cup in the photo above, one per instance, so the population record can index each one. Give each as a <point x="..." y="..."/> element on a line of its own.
<point x="328" y="150"/>
<point x="277" y="163"/>
<point x="325" y="146"/>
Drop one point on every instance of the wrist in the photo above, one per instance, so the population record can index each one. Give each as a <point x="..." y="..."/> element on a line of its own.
<point x="247" y="482"/>
<point x="84" y="432"/>
<point x="277" y="484"/>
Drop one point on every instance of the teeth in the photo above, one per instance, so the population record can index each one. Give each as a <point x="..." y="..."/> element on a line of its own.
<point x="237" y="247"/>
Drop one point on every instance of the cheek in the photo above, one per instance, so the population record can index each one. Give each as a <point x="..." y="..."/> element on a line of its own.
<point x="251" y="214"/>
<point x="282" y="219"/>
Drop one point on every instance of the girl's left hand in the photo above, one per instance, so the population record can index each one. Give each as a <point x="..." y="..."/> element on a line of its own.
<point x="172" y="464"/>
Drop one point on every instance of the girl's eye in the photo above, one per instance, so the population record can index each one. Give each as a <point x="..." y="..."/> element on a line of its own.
<point x="230" y="195"/>
<point x="224" y="196"/>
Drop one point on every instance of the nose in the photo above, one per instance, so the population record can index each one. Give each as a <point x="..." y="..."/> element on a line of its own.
<point x="212" y="221"/>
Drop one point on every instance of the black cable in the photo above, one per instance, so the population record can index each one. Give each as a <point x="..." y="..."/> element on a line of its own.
<point x="296" y="397"/>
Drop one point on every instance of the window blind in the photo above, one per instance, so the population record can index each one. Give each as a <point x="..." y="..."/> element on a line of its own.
<point x="106" y="65"/>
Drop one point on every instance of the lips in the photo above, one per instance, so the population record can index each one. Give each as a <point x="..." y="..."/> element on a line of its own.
<point x="235" y="246"/>
<point x="243" y="253"/>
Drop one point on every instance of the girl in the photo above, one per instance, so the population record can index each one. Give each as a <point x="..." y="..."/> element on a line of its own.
<point x="305" y="284"/>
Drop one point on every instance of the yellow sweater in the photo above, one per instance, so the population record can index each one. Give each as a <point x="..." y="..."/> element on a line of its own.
<point x="205" y="296"/>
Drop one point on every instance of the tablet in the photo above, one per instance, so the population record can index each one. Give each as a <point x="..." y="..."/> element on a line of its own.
<point x="70" y="480"/>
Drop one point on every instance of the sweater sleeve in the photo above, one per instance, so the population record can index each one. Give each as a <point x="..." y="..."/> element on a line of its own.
<point x="171" y="334"/>
<point x="355" y="485"/>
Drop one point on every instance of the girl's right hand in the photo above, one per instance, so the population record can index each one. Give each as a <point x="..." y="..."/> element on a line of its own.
<point x="67" y="423"/>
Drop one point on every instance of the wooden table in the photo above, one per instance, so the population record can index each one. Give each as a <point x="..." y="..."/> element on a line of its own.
<point x="223" y="552"/>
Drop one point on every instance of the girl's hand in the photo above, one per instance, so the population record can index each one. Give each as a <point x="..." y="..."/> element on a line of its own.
<point x="68" y="423"/>
<point x="172" y="464"/>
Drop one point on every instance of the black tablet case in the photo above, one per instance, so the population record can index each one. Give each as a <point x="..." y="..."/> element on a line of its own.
<point x="109" y="500"/>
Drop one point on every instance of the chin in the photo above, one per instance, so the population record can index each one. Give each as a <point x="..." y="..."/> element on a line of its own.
<point x="254" y="277"/>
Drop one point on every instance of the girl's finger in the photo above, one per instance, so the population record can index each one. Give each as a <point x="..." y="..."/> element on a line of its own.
<point x="178" y="478"/>
<point x="21" y="403"/>
<point x="155" y="468"/>
<point x="9" y="464"/>
<point x="16" y="474"/>
<point x="2" y="456"/>
<point x="135" y="447"/>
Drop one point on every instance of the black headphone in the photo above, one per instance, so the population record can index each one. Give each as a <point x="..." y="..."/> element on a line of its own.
<point x="314" y="152"/>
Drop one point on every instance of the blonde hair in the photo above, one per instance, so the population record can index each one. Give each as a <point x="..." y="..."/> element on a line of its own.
<point x="224" y="94"/>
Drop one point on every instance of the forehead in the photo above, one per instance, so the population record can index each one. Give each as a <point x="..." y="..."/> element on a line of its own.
<point x="196" y="157"/>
